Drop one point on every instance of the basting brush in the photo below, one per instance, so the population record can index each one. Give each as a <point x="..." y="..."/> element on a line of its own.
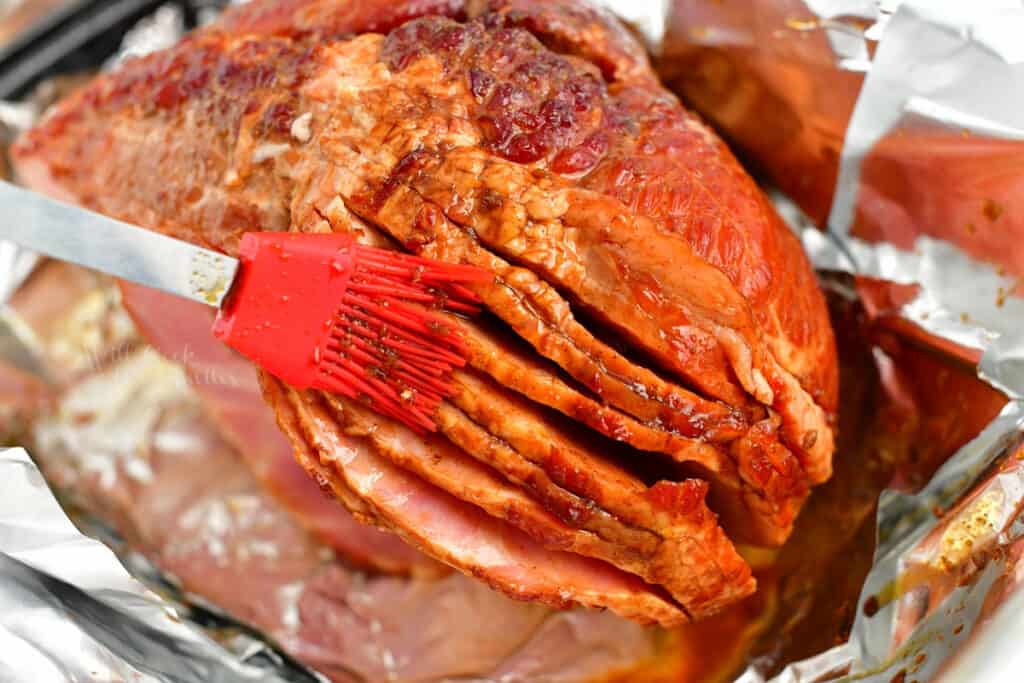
<point x="317" y="311"/>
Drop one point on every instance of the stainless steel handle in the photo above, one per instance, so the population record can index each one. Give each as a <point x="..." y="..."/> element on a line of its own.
<point x="73" y="234"/>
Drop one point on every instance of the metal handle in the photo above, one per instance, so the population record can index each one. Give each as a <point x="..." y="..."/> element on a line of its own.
<point x="70" y="233"/>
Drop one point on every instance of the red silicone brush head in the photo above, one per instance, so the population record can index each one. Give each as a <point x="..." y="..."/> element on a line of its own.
<point x="321" y="311"/>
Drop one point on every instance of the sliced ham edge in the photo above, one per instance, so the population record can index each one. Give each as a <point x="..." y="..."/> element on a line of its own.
<point x="463" y="536"/>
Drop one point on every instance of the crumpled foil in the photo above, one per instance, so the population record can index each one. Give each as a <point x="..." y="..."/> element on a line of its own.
<point x="945" y="73"/>
<point x="940" y="599"/>
<point x="70" y="612"/>
<point x="942" y="594"/>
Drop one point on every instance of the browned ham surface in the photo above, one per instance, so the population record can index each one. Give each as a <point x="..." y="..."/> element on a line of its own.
<point x="655" y="340"/>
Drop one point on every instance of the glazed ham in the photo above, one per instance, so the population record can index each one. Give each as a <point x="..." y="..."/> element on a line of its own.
<point x="656" y="350"/>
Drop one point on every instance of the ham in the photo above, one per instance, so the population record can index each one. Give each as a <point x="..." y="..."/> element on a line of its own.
<point x="656" y="297"/>
<point x="458" y="533"/>
<point x="225" y="383"/>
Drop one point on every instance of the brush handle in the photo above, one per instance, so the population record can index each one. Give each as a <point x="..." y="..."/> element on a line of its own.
<point x="70" y="233"/>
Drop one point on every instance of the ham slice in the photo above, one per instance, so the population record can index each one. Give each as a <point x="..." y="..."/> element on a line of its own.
<point x="463" y="536"/>
<point x="225" y="382"/>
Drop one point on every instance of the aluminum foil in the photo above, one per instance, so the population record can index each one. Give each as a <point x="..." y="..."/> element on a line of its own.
<point x="947" y="563"/>
<point x="70" y="612"/>
<point x="944" y="576"/>
<point x="162" y="30"/>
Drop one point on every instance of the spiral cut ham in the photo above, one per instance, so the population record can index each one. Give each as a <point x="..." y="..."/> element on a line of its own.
<point x="655" y="377"/>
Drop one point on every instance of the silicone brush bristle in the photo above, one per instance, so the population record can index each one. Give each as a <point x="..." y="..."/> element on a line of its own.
<point x="381" y="338"/>
<point x="388" y="348"/>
